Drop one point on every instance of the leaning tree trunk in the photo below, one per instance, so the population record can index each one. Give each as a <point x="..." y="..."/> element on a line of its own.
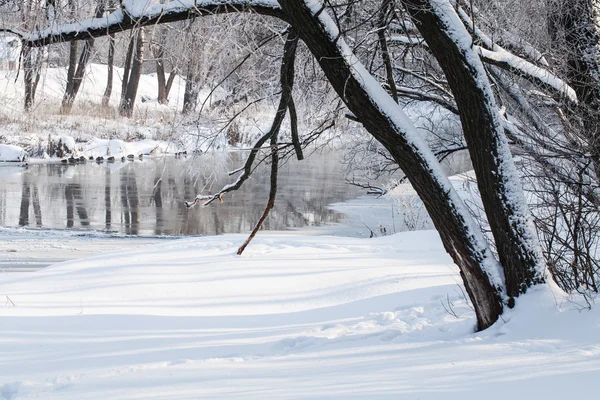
<point x="133" y="78"/>
<point x="384" y="120"/>
<point x="497" y="178"/>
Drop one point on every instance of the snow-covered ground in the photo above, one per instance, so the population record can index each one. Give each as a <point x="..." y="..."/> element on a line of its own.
<point x="10" y="153"/>
<point x="296" y="316"/>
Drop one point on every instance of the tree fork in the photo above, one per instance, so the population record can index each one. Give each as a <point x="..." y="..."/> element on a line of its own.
<point x="465" y="245"/>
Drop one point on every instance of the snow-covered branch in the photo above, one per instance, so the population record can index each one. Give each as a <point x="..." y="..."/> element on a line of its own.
<point x="529" y="71"/>
<point x="143" y="13"/>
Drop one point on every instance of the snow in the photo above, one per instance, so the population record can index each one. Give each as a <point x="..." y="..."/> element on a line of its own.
<point x="119" y="148"/>
<point x="12" y="153"/>
<point x="537" y="73"/>
<point x="294" y="317"/>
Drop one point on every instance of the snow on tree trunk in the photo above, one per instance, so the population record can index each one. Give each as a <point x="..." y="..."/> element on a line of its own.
<point x="386" y="121"/>
<point x="497" y="177"/>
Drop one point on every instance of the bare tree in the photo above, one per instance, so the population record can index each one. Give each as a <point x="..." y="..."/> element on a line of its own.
<point x="452" y="51"/>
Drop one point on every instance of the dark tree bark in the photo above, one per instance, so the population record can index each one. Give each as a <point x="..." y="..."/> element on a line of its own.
<point x="74" y="80"/>
<point x="73" y="47"/>
<point x="30" y="76"/>
<point x="484" y="134"/>
<point x="448" y="214"/>
<point x="76" y="69"/>
<point x="164" y="83"/>
<point x="111" y="66"/>
<point x="386" y="9"/>
<point x="190" y="95"/>
<point x="192" y="77"/>
<point x="133" y="77"/>
<point x="127" y="65"/>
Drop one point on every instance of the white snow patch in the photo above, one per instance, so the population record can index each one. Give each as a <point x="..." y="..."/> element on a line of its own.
<point x="12" y="153"/>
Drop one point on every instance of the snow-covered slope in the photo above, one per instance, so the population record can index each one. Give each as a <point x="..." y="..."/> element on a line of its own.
<point x="294" y="317"/>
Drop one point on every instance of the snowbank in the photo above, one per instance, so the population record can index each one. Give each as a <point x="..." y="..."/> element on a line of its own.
<point x="119" y="148"/>
<point x="12" y="153"/>
<point x="294" y="317"/>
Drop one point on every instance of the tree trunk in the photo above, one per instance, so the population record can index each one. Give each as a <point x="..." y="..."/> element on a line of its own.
<point x="387" y="123"/>
<point x="73" y="46"/>
<point x="127" y="66"/>
<point x="385" y="54"/>
<point x="74" y="79"/>
<point x="192" y="78"/>
<point x="190" y="96"/>
<point x="128" y="99"/>
<point x="29" y="76"/>
<point x="111" y="66"/>
<point x="164" y="84"/>
<point x="497" y="178"/>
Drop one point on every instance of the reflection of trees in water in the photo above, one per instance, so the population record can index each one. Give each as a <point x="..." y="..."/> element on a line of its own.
<point x="3" y="206"/>
<point x="107" y="200"/>
<point x="74" y="200"/>
<point x="129" y="201"/>
<point x="149" y="196"/>
<point x="29" y="195"/>
<point x="25" y="196"/>
<point x="158" y="204"/>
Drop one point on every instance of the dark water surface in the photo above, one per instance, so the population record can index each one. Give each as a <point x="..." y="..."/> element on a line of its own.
<point x="146" y="197"/>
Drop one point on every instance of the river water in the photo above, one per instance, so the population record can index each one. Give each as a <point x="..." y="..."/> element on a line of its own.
<point x="146" y="198"/>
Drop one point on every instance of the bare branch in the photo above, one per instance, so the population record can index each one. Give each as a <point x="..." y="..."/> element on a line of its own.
<point x="287" y="81"/>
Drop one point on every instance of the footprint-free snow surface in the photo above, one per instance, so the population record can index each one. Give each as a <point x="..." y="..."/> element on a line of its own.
<point x="294" y="317"/>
